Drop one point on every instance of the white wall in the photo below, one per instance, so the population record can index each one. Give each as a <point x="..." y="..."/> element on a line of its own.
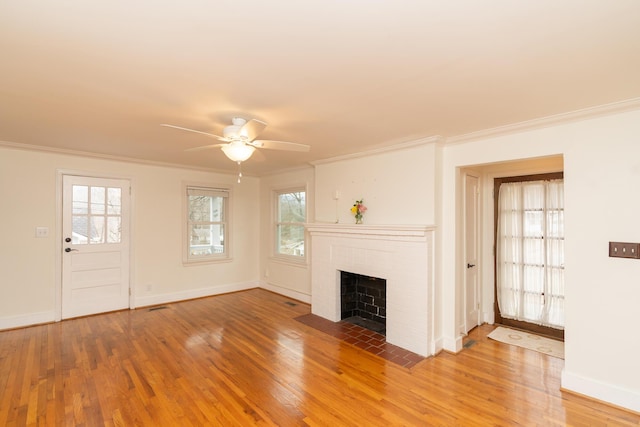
<point x="28" y="264"/>
<point x="287" y="278"/>
<point x="602" y="168"/>
<point x="398" y="187"/>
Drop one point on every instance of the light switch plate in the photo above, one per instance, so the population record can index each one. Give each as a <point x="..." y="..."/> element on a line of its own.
<point x="42" y="231"/>
<point x="624" y="250"/>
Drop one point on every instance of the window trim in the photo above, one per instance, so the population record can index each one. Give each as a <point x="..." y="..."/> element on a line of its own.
<point x="225" y="256"/>
<point x="275" y="255"/>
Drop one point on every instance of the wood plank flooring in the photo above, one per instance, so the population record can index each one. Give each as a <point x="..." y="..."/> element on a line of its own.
<point x="242" y="359"/>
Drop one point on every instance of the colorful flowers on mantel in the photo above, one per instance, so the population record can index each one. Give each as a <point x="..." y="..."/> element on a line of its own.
<point x="358" y="209"/>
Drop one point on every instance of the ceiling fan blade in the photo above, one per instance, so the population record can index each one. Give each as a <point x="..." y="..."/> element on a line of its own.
<point x="252" y="129"/>
<point x="279" y="145"/>
<point x="193" y="130"/>
<point x="204" y="147"/>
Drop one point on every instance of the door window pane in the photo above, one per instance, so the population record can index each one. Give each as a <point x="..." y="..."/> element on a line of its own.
<point x="114" y="201"/>
<point x="80" y="199"/>
<point x="96" y="229"/>
<point x="97" y="200"/>
<point x="96" y="215"/>
<point x="113" y="229"/>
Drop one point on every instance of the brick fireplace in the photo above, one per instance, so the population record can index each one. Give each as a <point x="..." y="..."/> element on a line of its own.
<point x="400" y="255"/>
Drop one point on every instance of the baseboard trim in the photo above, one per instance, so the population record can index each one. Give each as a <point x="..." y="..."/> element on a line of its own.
<point x="452" y="345"/>
<point x="597" y="390"/>
<point x="437" y="346"/>
<point x="31" y="319"/>
<point x="150" y="300"/>
<point x="305" y="298"/>
<point x="20" y="321"/>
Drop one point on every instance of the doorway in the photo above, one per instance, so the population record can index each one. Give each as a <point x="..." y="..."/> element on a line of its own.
<point x="529" y="261"/>
<point x="95" y="247"/>
<point x="471" y="288"/>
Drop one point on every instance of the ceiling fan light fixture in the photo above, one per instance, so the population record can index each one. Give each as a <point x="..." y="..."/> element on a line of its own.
<point x="238" y="151"/>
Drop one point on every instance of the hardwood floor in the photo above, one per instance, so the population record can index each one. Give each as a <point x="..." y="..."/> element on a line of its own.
<point x="243" y="359"/>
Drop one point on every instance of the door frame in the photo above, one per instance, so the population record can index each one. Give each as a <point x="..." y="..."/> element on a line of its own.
<point x="478" y="250"/>
<point x="60" y="173"/>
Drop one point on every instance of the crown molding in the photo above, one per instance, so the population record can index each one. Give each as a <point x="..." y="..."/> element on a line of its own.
<point x="79" y="153"/>
<point x="379" y="150"/>
<point x="571" y="116"/>
<point x="292" y="169"/>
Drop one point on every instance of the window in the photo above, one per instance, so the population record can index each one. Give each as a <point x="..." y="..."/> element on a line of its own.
<point x="530" y="252"/>
<point x="207" y="225"/>
<point x="290" y="219"/>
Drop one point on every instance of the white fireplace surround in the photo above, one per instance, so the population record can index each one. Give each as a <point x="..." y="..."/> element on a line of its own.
<point x="402" y="255"/>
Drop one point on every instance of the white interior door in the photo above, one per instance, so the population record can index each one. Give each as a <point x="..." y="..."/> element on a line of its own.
<point x="472" y="293"/>
<point x="95" y="258"/>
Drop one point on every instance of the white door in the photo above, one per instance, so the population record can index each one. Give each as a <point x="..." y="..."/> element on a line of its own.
<point x="95" y="258"/>
<point x="472" y="294"/>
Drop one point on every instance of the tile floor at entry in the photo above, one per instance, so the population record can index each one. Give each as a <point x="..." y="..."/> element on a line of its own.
<point x="365" y="339"/>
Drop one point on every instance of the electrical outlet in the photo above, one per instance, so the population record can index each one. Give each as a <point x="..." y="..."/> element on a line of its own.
<point x="624" y="250"/>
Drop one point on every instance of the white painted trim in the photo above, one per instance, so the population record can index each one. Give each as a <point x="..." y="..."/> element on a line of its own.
<point x="488" y="317"/>
<point x="437" y="346"/>
<point x="583" y="114"/>
<point x="132" y="243"/>
<point x="24" y="320"/>
<point x="79" y="153"/>
<point x="609" y="393"/>
<point x="380" y="150"/>
<point x="57" y="288"/>
<point x="299" y="296"/>
<point x="394" y="231"/>
<point x="286" y="170"/>
<point x="453" y="345"/>
<point x="144" y="301"/>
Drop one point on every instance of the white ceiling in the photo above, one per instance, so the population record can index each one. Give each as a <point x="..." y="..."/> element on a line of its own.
<point x="341" y="76"/>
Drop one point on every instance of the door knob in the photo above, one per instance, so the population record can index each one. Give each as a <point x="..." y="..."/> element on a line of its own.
<point x="69" y="249"/>
<point x="470" y="265"/>
<point x="68" y="239"/>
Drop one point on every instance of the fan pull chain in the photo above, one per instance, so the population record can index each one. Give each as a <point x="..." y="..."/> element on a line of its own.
<point x="239" y="172"/>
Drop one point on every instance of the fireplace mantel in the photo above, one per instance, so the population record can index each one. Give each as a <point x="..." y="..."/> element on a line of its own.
<point x="398" y="231"/>
<point x="400" y="254"/>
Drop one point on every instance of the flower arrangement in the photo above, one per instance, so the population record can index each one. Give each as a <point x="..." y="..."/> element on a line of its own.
<point x="358" y="209"/>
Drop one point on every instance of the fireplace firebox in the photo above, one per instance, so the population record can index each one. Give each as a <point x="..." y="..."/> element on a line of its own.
<point x="363" y="301"/>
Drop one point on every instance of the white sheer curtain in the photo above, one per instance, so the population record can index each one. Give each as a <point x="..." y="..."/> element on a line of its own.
<point x="530" y="252"/>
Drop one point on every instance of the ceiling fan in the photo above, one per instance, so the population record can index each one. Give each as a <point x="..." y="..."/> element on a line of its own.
<point x="240" y="139"/>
